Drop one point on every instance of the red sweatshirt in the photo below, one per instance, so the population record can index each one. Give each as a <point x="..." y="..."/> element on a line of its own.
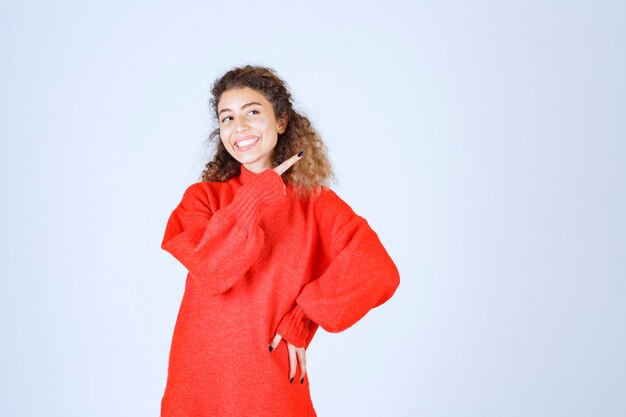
<point x="260" y="262"/>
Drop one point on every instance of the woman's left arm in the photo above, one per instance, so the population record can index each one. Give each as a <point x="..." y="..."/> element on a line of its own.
<point x="360" y="276"/>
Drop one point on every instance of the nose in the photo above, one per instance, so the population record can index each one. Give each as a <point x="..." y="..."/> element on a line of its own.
<point x="240" y="125"/>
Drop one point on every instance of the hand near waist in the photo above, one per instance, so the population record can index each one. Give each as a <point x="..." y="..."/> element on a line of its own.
<point x="297" y="358"/>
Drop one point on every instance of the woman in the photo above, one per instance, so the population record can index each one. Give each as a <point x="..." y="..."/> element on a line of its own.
<point x="272" y="254"/>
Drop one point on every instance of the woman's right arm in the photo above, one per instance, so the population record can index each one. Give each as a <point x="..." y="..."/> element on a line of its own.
<point x="218" y="247"/>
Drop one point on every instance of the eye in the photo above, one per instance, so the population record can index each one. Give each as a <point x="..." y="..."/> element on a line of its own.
<point x="253" y="111"/>
<point x="226" y="118"/>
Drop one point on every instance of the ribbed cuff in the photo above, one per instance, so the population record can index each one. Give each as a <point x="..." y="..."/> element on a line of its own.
<point x="264" y="188"/>
<point x="294" y="327"/>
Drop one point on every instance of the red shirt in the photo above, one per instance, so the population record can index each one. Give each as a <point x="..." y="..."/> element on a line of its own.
<point x="262" y="261"/>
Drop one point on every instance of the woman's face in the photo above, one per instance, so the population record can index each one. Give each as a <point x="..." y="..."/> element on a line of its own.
<point x="248" y="127"/>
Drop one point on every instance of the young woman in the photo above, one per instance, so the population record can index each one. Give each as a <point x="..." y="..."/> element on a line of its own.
<point x="272" y="254"/>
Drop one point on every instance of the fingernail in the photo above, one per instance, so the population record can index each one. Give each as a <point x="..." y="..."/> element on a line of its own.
<point x="300" y="153"/>
<point x="291" y="380"/>
<point x="271" y="348"/>
<point x="302" y="380"/>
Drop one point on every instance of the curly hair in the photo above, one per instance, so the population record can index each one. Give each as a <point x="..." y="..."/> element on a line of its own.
<point x="307" y="175"/>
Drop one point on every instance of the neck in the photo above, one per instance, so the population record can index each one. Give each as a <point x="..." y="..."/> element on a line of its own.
<point x="257" y="167"/>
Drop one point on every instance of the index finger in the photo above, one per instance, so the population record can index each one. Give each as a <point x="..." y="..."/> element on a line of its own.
<point x="288" y="163"/>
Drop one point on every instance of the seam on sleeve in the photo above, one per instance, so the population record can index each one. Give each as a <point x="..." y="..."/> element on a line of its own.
<point x="345" y="228"/>
<point x="196" y="193"/>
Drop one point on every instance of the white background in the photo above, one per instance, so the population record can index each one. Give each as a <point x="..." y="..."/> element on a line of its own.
<point x="484" y="142"/>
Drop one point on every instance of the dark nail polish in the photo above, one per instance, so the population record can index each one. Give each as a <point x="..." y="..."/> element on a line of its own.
<point x="300" y="153"/>
<point x="291" y="380"/>
<point x="302" y="380"/>
<point x="271" y="348"/>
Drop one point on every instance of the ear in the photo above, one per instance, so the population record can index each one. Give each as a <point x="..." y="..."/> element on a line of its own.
<point x="281" y="126"/>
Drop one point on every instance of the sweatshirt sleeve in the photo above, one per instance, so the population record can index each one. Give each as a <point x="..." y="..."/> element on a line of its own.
<point x="361" y="275"/>
<point x="219" y="246"/>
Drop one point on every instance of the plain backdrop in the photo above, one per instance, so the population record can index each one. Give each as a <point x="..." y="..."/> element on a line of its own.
<point x="484" y="141"/>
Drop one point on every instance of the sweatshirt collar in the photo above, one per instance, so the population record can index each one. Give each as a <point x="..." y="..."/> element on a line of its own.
<point x="246" y="175"/>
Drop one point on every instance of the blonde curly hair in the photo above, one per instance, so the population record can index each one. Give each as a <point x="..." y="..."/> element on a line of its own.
<point x="310" y="173"/>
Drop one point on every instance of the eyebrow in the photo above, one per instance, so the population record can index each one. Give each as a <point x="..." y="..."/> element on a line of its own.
<point x="242" y="107"/>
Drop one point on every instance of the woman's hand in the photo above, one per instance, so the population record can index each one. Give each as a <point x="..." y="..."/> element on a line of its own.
<point x="288" y="163"/>
<point x="297" y="356"/>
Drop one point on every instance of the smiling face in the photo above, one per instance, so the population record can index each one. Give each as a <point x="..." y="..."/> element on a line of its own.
<point x="248" y="127"/>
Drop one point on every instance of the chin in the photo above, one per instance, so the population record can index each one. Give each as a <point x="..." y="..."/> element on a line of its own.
<point x="246" y="160"/>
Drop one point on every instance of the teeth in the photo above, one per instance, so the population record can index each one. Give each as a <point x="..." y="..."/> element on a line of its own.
<point x="246" y="142"/>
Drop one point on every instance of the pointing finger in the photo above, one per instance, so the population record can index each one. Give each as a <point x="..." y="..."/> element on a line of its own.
<point x="280" y="169"/>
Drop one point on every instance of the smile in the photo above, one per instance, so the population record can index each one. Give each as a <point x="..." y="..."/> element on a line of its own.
<point x="246" y="143"/>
